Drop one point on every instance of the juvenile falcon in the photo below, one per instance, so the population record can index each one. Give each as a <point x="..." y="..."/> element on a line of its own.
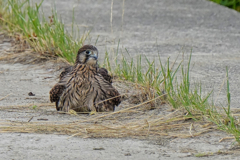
<point x="84" y="87"/>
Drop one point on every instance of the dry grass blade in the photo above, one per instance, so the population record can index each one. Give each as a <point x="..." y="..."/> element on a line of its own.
<point x="28" y="105"/>
<point x="121" y="110"/>
<point x="111" y="98"/>
<point x="226" y="138"/>
<point x="171" y="125"/>
<point x="5" y="96"/>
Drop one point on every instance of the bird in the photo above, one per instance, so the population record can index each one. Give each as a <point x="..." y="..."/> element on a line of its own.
<point x="84" y="87"/>
<point x="57" y="90"/>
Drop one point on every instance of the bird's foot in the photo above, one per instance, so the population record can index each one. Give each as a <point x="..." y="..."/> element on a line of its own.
<point x="72" y="112"/>
<point x="93" y="112"/>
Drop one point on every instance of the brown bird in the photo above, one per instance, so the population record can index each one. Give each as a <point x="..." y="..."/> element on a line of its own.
<point x="84" y="87"/>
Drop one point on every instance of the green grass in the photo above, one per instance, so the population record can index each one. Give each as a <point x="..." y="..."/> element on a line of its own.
<point x="227" y="122"/>
<point x="204" y="154"/>
<point x="179" y="93"/>
<point x="233" y="4"/>
<point x="34" y="107"/>
<point x="49" y="37"/>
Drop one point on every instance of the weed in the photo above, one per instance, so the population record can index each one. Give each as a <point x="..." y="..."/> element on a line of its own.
<point x="203" y="154"/>
<point x="34" y="107"/>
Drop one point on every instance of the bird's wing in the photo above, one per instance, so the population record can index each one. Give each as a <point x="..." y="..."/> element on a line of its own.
<point x="58" y="89"/>
<point x="105" y="74"/>
<point x="66" y="71"/>
<point x="55" y="93"/>
<point x="106" y="97"/>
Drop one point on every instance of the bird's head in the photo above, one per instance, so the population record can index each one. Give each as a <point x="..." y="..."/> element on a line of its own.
<point x="88" y="54"/>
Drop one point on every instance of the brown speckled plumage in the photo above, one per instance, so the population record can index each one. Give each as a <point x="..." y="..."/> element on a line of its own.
<point x="101" y="71"/>
<point x="85" y="87"/>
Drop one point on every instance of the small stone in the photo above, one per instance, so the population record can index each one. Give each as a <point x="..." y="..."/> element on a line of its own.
<point x="100" y="148"/>
<point x="31" y="94"/>
<point x="127" y="154"/>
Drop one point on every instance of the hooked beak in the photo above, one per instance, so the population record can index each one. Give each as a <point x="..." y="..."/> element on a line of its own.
<point x="94" y="56"/>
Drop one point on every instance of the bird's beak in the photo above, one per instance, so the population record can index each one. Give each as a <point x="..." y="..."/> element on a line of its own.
<point x="94" y="56"/>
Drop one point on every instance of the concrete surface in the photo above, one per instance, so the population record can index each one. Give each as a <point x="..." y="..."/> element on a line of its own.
<point x="54" y="147"/>
<point x="169" y="27"/>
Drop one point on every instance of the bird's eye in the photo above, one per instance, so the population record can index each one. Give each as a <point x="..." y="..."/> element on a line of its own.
<point x="88" y="52"/>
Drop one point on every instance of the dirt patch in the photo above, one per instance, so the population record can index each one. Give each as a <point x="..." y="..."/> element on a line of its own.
<point x="21" y="112"/>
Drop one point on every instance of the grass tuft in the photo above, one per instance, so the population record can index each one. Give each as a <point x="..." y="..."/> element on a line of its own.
<point x="233" y="4"/>
<point x="47" y="36"/>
